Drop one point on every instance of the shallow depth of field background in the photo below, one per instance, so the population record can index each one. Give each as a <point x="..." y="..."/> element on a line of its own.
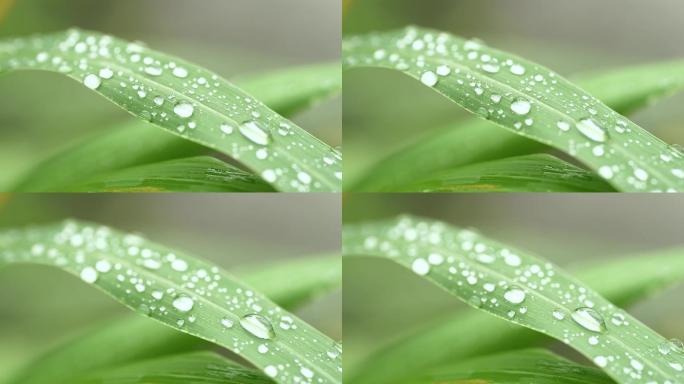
<point x="40" y="113"/>
<point x="384" y="110"/>
<point x="42" y="306"/>
<point x="383" y="300"/>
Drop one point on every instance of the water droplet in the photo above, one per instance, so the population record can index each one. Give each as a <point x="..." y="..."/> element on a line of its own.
<point x="89" y="275"/>
<point x="563" y="126"/>
<point x="271" y="371"/>
<point x="514" y="296"/>
<point x="306" y="372"/>
<point x="490" y="68"/>
<point x="641" y="174"/>
<point x="103" y="266"/>
<point x="606" y="172"/>
<point x="159" y="100"/>
<point x="589" y="319"/>
<point x="225" y="128"/>
<point x="601" y="361"/>
<point x="496" y="98"/>
<point x="521" y="107"/>
<point x="429" y="78"/>
<point x="593" y="340"/>
<point x="227" y="323"/>
<point x="258" y="326"/>
<point x="636" y="365"/>
<point x="184" y="110"/>
<point x="420" y="267"/>
<point x="92" y="81"/>
<point x="591" y="130"/>
<point x="180" y="72"/>
<point x="517" y="69"/>
<point x="677" y="345"/>
<point x="304" y="177"/>
<point x="179" y="265"/>
<point x="676" y="366"/>
<point x="254" y="133"/>
<point x="443" y="70"/>
<point x="435" y="259"/>
<point x="558" y="314"/>
<point x="183" y="303"/>
<point x="153" y="71"/>
<point x="106" y="73"/>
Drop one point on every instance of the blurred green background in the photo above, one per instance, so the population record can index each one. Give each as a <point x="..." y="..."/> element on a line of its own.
<point x="384" y="110"/>
<point x="41" y="113"/>
<point x="42" y="306"/>
<point x="383" y="300"/>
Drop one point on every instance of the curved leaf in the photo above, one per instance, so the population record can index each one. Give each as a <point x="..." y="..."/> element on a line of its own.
<point x="187" y="294"/>
<point x="530" y="173"/>
<point x="536" y="366"/>
<point x="195" y="174"/>
<point x="624" y="90"/>
<point x="135" y="143"/>
<point x="186" y="100"/>
<point x="198" y="367"/>
<point x="528" y="99"/>
<point x="521" y="289"/>
<point x="135" y="337"/>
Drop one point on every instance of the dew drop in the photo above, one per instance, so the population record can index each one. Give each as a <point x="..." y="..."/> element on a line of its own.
<point x="558" y="314"/>
<point x="517" y="69"/>
<point x="271" y="371"/>
<point x="304" y="177"/>
<point x="606" y="172"/>
<point x="521" y="107"/>
<point x="183" y="303"/>
<point x="92" y="81"/>
<point x="514" y="296"/>
<point x="179" y="265"/>
<point x="227" y="323"/>
<point x="258" y="326"/>
<point x="591" y="130"/>
<point x="435" y="259"/>
<point x="306" y="372"/>
<point x="254" y="133"/>
<point x="225" y="128"/>
<point x="158" y="100"/>
<point x="601" y="361"/>
<point x="180" y="72"/>
<point x="420" y="267"/>
<point x="89" y="275"/>
<point x="184" y="110"/>
<point x="563" y="126"/>
<point x="106" y="73"/>
<point x="153" y="71"/>
<point x="490" y="68"/>
<point x="589" y="319"/>
<point x="443" y="70"/>
<point x="429" y="78"/>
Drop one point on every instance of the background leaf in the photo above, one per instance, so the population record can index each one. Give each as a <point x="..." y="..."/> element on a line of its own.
<point x="529" y="100"/>
<point x="187" y="294"/>
<point x="186" y="100"/>
<point x="521" y="289"/>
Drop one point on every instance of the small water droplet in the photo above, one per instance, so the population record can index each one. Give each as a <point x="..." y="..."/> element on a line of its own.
<point x="443" y="70"/>
<point x="225" y="128"/>
<point x="429" y="78"/>
<point x="677" y="345"/>
<point x="158" y="100"/>
<point x="271" y="371"/>
<point x="183" y="303"/>
<point x="558" y="314"/>
<point x="420" y="267"/>
<point x="521" y="107"/>
<point x="515" y="295"/>
<point x="92" y="81"/>
<point x="89" y="275"/>
<point x="258" y="326"/>
<point x="304" y="177"/>
<point x="183" y="110"/>
<point x="563" y="126"/>
<point x="179" y="265"/>
<point x="106" y="73"/>
<point x="490" y="68"/>
<point x="517" y="69"/>
<point x="153" y="71"/>
<point x="601" y="361"/>
<point x="589" y="319"/>
<point x="227" y="323"/>
<point x="180" y="72"/>
<point x="254" y="133"/>
<point x="306" y="372"/>
<point x="590" y="129"/>
<point x="606" y="172"/>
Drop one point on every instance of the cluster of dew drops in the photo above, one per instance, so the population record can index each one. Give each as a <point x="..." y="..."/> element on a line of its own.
<point x="258" y="125"/>
<point x="99" y="255"/>
<point x="434" y="57"/>
<point x="476" y="266"/>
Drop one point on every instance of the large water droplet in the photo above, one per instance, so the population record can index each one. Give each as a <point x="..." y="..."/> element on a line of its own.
<point x="517" y="69"/>
<point x="429" y="78"/>
<point x="258" y="326"/>
<point x="254" y="133"/>
<point x="515" y="296"/>
<point x="184" y="110"/>
<point x="180" y="72"/>
<point x="89" y="275"/>
<point x="92" y="81"/>
<point x="420" y="267"/>
<point x="183" y="303"/>
<point x="521" y="107"/>
<point x="490" y="68"/>
<point x="590" y="129"/>
<point x="589" y="319"/>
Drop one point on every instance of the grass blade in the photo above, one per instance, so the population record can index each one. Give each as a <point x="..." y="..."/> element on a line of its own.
<point x="198" y="367"/>
<point x="624" y="89"/>
<point x="521" y="289"/>
<point x="182" y="292"/>
<point x="527" y="99"/>
<point x="186" y="100"/>
<point x="530" y="173"/>
<point x="135" y="337"/>
<point x="195" y="174"/>
<point x="536" y="366"/>
<point x="134" y="143"/>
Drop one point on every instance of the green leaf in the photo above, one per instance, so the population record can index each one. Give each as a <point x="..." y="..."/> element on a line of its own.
<point x="530" y="173"/>
<point x="135" y="337"/>
<point x="623" y="89"/>
<point x="195" y="174"/>
<point x="136" y="143"/>
<point x="198" y="367"/>
<point x="186" y="100"/>
<point x="521" y="289"/>
<point x="182" y="292"/>
<point x="527" y="99"/>
<point x="536" y="366"/>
